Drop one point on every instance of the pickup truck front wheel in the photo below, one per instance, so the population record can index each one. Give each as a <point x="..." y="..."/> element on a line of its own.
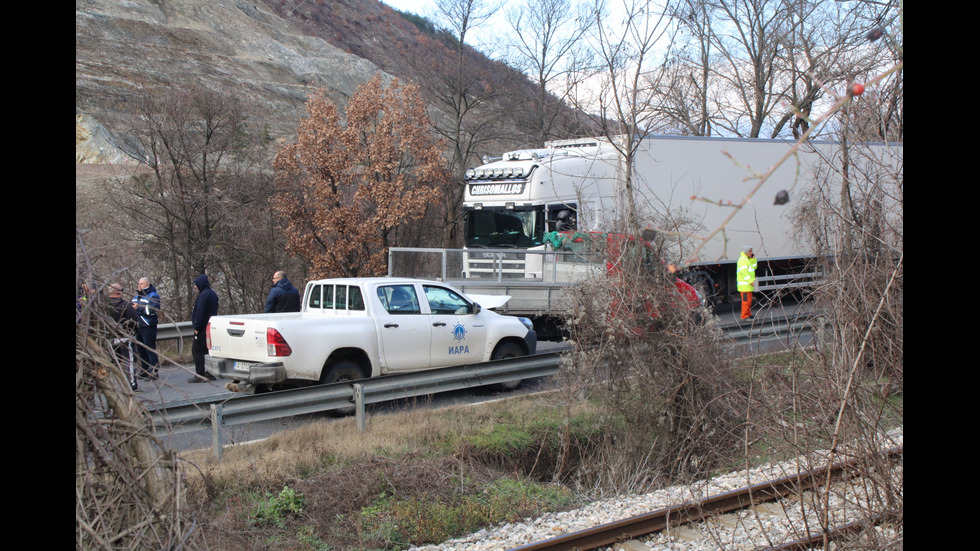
<point x="504" y="351"/>
<point x="339" y="372"/>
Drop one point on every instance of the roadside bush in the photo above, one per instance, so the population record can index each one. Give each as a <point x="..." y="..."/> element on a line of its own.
<point x="659" y="374"/>
<point x="418" y="519"/>
<point x="274" y="509"/>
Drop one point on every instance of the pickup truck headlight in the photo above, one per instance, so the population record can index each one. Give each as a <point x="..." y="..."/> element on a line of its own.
<point x="527" y="323"/>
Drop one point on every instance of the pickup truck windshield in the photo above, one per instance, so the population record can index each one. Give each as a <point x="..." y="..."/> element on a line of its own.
<point x="499" y="227"/>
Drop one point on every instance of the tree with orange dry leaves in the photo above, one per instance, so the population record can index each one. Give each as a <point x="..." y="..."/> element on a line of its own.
<point x="352" y="188"/>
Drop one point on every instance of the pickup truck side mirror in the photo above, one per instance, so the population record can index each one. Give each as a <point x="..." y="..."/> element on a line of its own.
<point x="468" y="309"/>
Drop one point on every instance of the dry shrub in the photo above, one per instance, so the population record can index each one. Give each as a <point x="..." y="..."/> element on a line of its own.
<point x="846" y="394"/>
<point x="659" y="374"/>
<point x="128" y="489"/>
<point x="278" y="460"/>
<point x="353" y="485"/>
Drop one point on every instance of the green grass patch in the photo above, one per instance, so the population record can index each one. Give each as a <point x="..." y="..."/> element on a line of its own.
<point x="417" y="519"/>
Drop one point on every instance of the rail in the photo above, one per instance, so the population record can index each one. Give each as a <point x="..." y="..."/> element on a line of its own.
<point x="693" y="511"/>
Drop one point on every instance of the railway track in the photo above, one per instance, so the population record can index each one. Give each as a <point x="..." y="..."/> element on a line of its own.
<point x="754" y="499"/>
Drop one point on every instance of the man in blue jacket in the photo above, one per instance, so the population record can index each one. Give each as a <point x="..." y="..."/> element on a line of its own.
<point x="283" y="297"/>
<point x="205" y="306"/>
<point x="147" y="306"/>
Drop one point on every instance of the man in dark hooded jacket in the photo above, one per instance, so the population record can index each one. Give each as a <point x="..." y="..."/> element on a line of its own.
<point x="283" y="297"/>
<point x="205" y="307"/>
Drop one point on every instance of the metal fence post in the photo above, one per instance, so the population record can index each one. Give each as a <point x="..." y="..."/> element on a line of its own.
<point x="216" y="430"/>
<point x="359" y="406"/>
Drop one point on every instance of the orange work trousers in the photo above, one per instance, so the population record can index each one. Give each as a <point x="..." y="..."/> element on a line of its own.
<point x="746" y="305"/>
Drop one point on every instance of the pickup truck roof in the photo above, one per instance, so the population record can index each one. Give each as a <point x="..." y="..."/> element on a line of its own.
<point x="485" y="301"/>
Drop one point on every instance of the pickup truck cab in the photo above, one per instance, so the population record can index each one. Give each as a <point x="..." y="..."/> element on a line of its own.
<point x="355" y="328"/>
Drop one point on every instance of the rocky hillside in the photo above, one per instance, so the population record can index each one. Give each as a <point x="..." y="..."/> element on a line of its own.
<point x="270" y="53"/>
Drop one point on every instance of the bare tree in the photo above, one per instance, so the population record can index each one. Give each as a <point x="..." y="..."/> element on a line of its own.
<point x="546" y="35"/>
<point x="465" y="93"/>
<point x="682" y="99"/>
<point x="618" y="87"/>
<point x="749" y="36"/>
<point x="197" y="193"/>
<point x="755" y="67"/>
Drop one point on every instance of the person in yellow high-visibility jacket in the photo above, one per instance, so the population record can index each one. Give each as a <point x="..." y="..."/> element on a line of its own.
<point x="745" y="278"/>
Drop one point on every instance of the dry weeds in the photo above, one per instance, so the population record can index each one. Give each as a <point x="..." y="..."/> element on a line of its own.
<point x="412" y="457"/>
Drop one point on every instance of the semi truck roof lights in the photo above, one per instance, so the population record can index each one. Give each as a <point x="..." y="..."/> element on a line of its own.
<point x="497" y="172"/>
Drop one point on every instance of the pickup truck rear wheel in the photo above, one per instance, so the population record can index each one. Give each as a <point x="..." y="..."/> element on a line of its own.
<point x="339" y="372"/>
<point x="505" y="351"/>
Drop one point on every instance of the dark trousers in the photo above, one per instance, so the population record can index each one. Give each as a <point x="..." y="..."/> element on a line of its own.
<point x="199" y="350"/>
<point x="147" y="348"/>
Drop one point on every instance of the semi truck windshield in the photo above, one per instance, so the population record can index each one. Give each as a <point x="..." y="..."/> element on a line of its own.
<point x="492" y="228"/>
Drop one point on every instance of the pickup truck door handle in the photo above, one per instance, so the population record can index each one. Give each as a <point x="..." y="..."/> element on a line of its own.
<point x="236" y="332"/>
<point x="387" y="325"/>
<point x="439" y="324"/>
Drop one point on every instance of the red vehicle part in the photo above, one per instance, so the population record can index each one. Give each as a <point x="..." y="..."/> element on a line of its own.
<point x="612" y="248"/>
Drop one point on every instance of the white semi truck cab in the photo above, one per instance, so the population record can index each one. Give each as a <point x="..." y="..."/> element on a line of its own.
<point x="512" y="202"/>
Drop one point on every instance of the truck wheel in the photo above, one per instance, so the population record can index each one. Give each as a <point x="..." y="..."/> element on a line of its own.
<point x="505" y="351"/>
<point x="340" y="372"/>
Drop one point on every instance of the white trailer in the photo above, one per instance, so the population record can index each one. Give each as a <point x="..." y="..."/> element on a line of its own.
<point x="687" y="187"/>
<point x="701" y="194"/>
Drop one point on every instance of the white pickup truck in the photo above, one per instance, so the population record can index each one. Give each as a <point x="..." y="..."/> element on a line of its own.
<point x="363" y="327"/>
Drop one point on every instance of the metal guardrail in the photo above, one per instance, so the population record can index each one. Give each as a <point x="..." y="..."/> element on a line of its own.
<point x="321" y="398"/>
<point x="175" y="331"/>
<point x="180" y="330"/>
<point x="226" y="412"/>
<point x="777" y="326"/>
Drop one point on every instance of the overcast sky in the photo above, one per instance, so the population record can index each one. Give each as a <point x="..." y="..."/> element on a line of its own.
<point x="427" y="8"/>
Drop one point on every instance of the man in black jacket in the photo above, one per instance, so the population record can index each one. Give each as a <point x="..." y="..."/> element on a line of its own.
<point x="122" y="335"/>
<point x="283" y="297"/>
<point x="205" y="307"/>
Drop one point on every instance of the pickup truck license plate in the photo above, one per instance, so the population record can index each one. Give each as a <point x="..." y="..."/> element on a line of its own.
<point x="242" y="366"/>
